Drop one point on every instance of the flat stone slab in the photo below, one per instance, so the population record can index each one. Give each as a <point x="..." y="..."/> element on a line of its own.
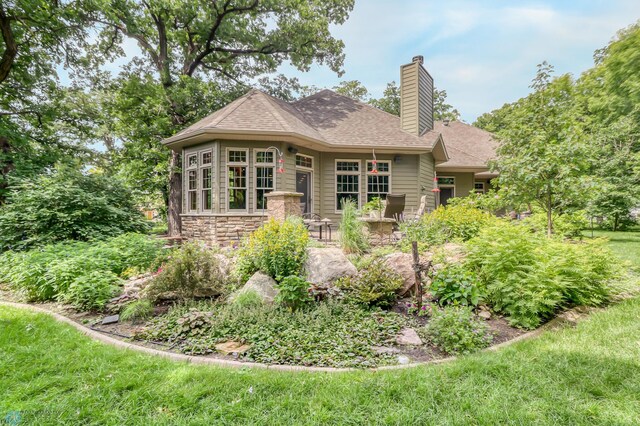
<point x="112" y="319"/>
<point x="231" y="347"/>
<point x="408" y="337"/>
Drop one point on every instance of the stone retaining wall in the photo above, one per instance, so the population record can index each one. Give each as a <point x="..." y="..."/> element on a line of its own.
<point x="219" y="229"/>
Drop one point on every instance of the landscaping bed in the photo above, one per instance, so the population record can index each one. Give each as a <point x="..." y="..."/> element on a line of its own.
<point x="277" y="299"/>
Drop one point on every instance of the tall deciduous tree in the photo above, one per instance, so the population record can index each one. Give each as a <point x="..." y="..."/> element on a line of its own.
<point x="233" y="40"/>
<point x="543" y="156"/>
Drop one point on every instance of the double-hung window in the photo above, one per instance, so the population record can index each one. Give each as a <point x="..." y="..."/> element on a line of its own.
<point x="206" y="180"/>
<point x="265" y="167"/>
<point x="192" y="182"/>
<point x="347" y="182"/>
<point x="478" y="187"/>
<point x="237" y="165"/>
<point x="378" y="179"/>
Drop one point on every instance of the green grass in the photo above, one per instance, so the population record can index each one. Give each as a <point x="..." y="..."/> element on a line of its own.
<point x="588" y="375"/>
<point x="626" y="245"/>
<point x="51" y="374"/>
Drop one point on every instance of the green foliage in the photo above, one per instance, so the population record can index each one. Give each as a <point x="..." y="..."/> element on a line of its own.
<point x="67" y="205"/>
<point x="47" y="272"/>
<point x="374" y="205"/>
<point x="568" y="225"/>
<point x="456" y="330"/>
<point x="324" y="334"/>
<point x="92" y="290"/>
<point x="352" y="236"/>
<point x="458" y="221"/>
<point x="293" y="292"/>
<point x="456" y="285"/>
<point x="191" y="271"/>
<point x="373" y="286"/>
<point x="529" y="277"/>
<point x="247" y="299"/>
<point x="278" y="249"/>
<point x="137" y="310"/>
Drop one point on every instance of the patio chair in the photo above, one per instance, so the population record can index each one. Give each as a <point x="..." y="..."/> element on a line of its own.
<point x="394" y="206"/>
<point x="312" y="221"/>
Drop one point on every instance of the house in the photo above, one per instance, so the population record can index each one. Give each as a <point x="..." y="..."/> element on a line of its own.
<point x="329" y="148"/>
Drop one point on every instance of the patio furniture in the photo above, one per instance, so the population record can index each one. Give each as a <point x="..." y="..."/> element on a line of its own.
<point x="394" y="206"/>
<point x="314" y="222"/>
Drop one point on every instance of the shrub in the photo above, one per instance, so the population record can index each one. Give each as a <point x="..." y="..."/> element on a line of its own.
<point x="529" y="277"/>
<point x="191" y="271"/>
<point x="352" y="236"/>
<point x="568" y="225"/>
<point x="43" y="273"/>
<point x="91" y="291"/>
<point x="456" y="330"/>
<point x="456" y="285"/>
<point x="247" y="299"/>
<point x="137" y="310"/>
<point x="293" y="292"/>
<point x="460" y="221"/>
<point x="376" y="285"/>
<point x="276" y="248"/>
<point x="67" y="205"/>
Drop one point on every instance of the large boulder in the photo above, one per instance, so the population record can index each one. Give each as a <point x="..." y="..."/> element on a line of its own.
<point x="262" y="284"/>
<point x="325" y="265"/>
<point x="402" y="264"/>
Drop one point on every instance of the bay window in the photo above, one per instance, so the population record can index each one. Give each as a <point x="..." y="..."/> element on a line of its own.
<point x="237" y="163"/>
<point x="265" y="167"/>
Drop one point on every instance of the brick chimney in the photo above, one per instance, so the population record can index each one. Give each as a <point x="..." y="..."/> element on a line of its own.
<point x="416" y="97"/>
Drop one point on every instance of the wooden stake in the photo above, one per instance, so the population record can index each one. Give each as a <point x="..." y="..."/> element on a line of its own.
<point x="418" y="274"/>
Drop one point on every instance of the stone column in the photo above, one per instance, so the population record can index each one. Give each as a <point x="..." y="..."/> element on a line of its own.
<point x="281" y="204"/>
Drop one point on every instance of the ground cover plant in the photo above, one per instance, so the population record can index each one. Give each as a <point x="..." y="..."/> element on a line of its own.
<point x="81" y="273"/>
<point x="374" y="285"/>
<point x="276" y="248"/>
<point x="456" y="330"/>
<point x="330" y="333"/>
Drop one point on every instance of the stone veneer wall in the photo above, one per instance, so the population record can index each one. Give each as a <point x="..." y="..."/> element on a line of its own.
<point x="219" y="229"/>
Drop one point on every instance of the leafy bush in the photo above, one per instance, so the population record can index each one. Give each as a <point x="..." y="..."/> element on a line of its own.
<point x="46" y="272"/>
<point x="455" y="285"/>
<point x="324" y="334"/>
<point x="529" y="277"/>
<point x="67" y="205"/>
<point x="91" y="291"/>
<point x="137" y="310"/>
<point x="352" y="236"/>
<point x="460" y="221"/>
<point x="191" y="271"/>
<point x="375" y="285"/>
<point x="568" y="225"/>
<point x="278" y="249"/>
<point x="293" y="292"/>
<point x="456" y="330"/>
<point x="247" y="299"/>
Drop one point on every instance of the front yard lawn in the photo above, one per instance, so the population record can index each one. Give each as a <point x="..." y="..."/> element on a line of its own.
<point x="50" y="374"/>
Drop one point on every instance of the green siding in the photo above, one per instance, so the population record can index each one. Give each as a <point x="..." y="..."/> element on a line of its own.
<point x="425" y="181"/>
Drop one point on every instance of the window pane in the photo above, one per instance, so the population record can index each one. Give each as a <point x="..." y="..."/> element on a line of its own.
<point x="192" y="160"/>
<point x="206" y="158"/>
<point x="206" y="199"/>
<point x="206" y="178"/>
<point x="237" y="157"/>
<point x="347" y="166"/>
<point x="237" y="199"/>
<point x="237" y="177"/>
<point x="304" y="161"/>
<point x="264" y="157"/>
<point x="192" y="201"/>
<point x="193" y="180"/>
<point x="446" y="181"/>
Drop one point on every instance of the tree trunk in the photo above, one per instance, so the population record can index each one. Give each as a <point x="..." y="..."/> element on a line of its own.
<point x="175" y="196"/>
<point x="616" y="221"/>
<point x="5" y="167"/>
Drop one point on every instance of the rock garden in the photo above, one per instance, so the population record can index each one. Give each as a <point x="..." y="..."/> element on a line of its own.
<point x="282" y="298"/>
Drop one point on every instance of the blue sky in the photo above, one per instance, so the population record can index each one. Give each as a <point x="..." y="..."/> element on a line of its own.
<point x="483" y="53"/>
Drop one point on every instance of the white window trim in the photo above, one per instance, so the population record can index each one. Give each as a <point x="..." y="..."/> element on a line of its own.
<point x="313" y="162"/>
<point x="186" y="204"/>
<point x="201" y="167"/>
<point x="335" y="181"/>
<point x="484" y="186"/>
<point x="368" y="173"/>
<point x="255" y="174"/>
<point x="226" y="174"/>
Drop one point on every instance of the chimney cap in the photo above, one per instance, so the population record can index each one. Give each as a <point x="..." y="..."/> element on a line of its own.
<point x="418" y="58"/>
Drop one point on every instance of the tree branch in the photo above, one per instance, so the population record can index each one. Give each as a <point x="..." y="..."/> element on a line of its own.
<point x="11" y="48"/>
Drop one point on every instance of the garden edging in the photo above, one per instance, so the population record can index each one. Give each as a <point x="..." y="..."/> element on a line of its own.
<point x="101" y="337"/>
